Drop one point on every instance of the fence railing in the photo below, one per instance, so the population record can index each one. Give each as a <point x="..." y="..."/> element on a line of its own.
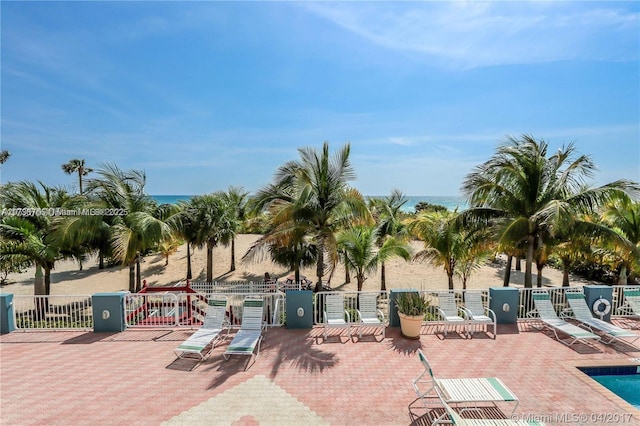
<point x="245" y="287"/>
<point x="70" y="312"/>
<point x="189" y="309"/>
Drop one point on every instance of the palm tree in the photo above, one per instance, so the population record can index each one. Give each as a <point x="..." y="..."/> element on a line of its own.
<point x="32" y="234"/>
<point x="622" y="215"/>
<point x="213" y="219"/>
<point x="137" y="231"/>
<point x="312" y="196"/>
<point x="388" y="214"/>
<point x="444" y="240"/>
<point x="236" y="198"/>
<point x="4" y="156"/>
<point x="77" y="166"/>
<point x="533" y="194"/>
<point x="361" y="254"/>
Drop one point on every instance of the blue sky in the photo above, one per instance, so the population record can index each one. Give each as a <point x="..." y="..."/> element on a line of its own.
<point x="203" y="95"/>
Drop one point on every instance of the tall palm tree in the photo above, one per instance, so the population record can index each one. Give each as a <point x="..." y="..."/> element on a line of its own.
<point x="236" y="198"/>
<point x="313" y="195"/>
<point x="361" y="253"/>
<point x="622" y="215"/>
<point x="444" y="240"/>
<point x="214" y="221"/>
<point x="4" y="156"/>
<point x="32" y="234"/>
<point x="77" y="166"/>
<point x="140" y="227"/>
<point x="387" y="214"/>
<point x="533" y="194"/>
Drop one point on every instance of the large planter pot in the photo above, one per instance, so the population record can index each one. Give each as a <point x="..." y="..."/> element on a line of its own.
<point x="410" y="325"/>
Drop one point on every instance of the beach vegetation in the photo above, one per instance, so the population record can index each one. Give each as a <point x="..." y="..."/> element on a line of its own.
<point x="312" y="195"/>
<point x="387" y="214"/>
<point x="424" y="206"/>
<point x="237" y="200"/>
<point x="30" y="237"/>
<point x="527" y="194"/>
<point x="4" y="156"/>
<point x="77" y="166"/>
<point x="361" y="254"/>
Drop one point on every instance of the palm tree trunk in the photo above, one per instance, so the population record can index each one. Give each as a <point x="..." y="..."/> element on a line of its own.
<point x="100" y="259"/>
<point x="622" y="279"/>
<point x="450" y="279"/>
<point x="39" y="287"/>
<point x="383" y="281"/>
<point x="539" y="277"/>
<point x="360" y="281"/>
<point x="138" y="274"/>
<point x="565" y="274"/>
<point x="507" y="272"/>
<point x="132" y="277"/>
<point x="320" y="267"/>
<point x="529" y="263"/>
<point x="233" y="254"/>
<point x="188" y="261"/>
<point x="209" y="263"/>
<point x="47" y="280"/>
<point x="518" y="263"/>
<point x="347" y="277"/>
<point x="80" y="180"/>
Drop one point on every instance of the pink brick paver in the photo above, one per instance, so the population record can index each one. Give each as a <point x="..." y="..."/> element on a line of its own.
<point x="121" y="379"/>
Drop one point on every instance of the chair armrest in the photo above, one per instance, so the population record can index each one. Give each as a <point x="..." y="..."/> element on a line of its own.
<point x="381" y="314"/>
<point x="348" y="316"/>
<point x="491" y="314"/>
<point x="359" y="315"/>
<point x="466" y="314"/>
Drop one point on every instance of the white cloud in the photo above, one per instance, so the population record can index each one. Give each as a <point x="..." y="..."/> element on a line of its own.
<point x="475" y="34"/>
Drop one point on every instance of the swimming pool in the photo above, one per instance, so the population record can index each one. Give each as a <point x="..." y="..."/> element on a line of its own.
<point x="624" y="381"/>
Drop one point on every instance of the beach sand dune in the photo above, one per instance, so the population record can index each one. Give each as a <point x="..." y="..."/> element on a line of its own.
<point x="68" y="279"/>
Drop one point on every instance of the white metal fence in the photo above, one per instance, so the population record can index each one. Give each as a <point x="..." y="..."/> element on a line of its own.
<point x="53" y="312"/>
<point x="245" y="287"/>
<point x="188" y="309"/>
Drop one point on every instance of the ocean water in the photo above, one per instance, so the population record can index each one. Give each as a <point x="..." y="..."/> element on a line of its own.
<point x="451" y="203"/>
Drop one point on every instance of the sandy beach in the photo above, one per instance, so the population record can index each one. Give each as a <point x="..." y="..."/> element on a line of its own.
<point x="68" y="279"/>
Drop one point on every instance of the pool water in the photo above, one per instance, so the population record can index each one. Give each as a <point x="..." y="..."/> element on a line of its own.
<point x="626" y="387"/>
<point x="623" y="382"/>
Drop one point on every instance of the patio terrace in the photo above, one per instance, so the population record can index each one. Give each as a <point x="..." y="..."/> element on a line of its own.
<point x="133" y="378"/>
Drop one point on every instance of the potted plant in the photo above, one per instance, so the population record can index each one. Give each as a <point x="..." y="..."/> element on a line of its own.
<point x="412" y="309"/>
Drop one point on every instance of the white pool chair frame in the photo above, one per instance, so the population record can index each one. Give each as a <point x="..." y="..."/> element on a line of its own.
<point x="580" y="312"/>
<point x="546" y="314"/>
<point x="248" y="338"/>
<point x="334" y="314"/>
<point x="478" y="314"/>
<point x="469" y="392"/>
<point x="451" y="314"/>
<point x="204" y="339"/>
<point x="368" y="313"/>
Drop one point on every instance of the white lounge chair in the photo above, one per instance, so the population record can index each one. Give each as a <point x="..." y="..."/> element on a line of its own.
<point x="450" y="313"/>
<point x="582" y="314"/>
<point x="547" y="314"/>
<point x="249" y="336"/>
<point x="334" y="314"/>
<point x="368" y="313"/>
<point x="458" y="420"/>
<point x="205" y="338"/>
<point x="632" y="302"/>
<point x="477" y="313"/>
<point x="468" y="391"/>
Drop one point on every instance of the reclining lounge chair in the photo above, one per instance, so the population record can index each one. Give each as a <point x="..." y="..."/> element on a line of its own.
<point x="205" y="338"/>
